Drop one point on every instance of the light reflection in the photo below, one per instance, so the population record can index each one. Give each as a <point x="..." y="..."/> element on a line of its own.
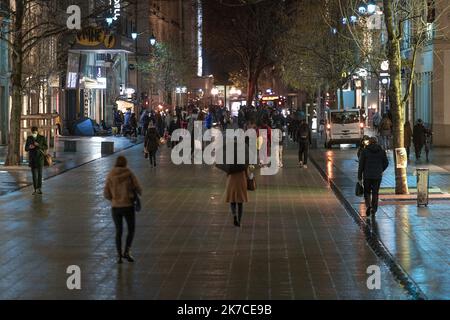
<point x="403" y="231"/>
<point x="329" y="155"/>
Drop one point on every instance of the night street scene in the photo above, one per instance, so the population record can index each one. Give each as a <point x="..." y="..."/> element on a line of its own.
<point x="225" y="151"/>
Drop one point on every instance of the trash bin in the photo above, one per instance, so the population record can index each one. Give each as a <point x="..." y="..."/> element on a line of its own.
<point x="423" y="183"/>
<point x="70" y="146"/>
<point x="107" y="147"/>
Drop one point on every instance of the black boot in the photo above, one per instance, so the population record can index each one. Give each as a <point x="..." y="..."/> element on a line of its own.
<point x="236" y="222"/>
<point x="128" y="256"/>
<point x="119" y="259"/>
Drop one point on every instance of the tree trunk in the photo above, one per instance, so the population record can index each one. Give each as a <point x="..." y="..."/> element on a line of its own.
<point x="13" y="154"/>
<point x="251" y="88"/>
<point x="341" y="98"/>
<point x="395" y="94"/>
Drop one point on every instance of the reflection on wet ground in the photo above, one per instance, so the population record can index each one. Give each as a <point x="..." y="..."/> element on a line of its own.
<point x="88" y="149"/>
<point x="417" y="237"/>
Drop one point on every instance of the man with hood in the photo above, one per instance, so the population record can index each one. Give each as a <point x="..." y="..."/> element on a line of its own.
<point x="372" y="163"/>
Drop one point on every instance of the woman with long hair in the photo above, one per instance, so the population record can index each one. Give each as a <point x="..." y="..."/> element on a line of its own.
<point x="121" y="188"/>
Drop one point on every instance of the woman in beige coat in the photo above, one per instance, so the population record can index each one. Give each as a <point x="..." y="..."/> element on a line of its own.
<point x="120" y="188"/>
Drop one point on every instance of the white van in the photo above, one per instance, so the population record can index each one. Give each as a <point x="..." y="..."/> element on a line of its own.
<point x="343" y="127"/>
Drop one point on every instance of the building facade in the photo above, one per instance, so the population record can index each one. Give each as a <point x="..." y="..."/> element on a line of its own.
<point x="441" y="76"/>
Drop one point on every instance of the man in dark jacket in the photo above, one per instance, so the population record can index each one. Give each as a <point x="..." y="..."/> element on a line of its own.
<point x="372" y="163"/>
<point x="419" y="137"/>
<point x="36" y="146"/>
<point x="304" y="141"/>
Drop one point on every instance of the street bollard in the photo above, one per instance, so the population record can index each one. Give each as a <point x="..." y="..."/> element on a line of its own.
<point x="423" y="183"/>
<point x="107" y="147"/>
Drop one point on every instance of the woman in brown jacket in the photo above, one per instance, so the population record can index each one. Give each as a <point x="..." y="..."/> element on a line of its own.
<point x="236" y="192"/>
<point x="121" y="185"/>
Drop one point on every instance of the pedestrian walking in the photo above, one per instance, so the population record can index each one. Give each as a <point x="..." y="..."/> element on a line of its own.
<point x="236" y="189"/>
<point x="36" y="146"/>
<point x="58" y="123"/>
<point x="419" y="137"/>
<point x="386" y="132"/>
<point x="362" y="145"/>
<point x="304" y="141"/>
<point x="144" y="121"/>
<point x="321" y="127"/>
<point x="376" y="121"/>
<point x="152" y="141"/>
<point x="372" y="163"/>
<point x="407" y="133"/>
<point x="281" y="144"/>
<point x="120" y="188"/>
<point x="428" y="137"/>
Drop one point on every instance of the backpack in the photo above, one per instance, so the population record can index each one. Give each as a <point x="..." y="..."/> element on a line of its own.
<point x="303" y="132"/>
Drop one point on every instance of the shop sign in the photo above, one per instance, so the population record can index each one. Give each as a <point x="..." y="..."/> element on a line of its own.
<point x="117" y="8"/>
<point x="92" y="37"/>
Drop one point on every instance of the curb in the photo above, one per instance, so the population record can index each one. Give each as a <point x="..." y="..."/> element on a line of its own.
<point x="73" y="168"/>
<point x="374" y="241"/>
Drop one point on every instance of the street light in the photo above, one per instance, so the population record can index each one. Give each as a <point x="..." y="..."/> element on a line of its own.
<point x="362" y="9"/>
<point x="134" y="35"/>
<point x="371" y="7"/>
<point x="152" y="40"/>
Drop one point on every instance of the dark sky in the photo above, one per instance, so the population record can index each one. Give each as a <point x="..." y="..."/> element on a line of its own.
<point x="215" y="62"/>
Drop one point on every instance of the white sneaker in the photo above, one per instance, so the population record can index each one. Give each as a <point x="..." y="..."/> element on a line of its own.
<point x="305" y="167"/>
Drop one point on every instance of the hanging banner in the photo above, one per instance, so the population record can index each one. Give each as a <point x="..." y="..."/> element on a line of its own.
<point x="401" y="158"/>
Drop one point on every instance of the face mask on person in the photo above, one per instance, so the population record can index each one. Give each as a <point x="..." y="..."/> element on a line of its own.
<point x="35" y="134"/>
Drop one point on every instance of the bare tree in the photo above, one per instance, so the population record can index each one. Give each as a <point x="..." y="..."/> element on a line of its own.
<point x="166" y="68"/>
<point x="248" y="31"/>
<point x="317" y="50"/>
<point x="31" y="24"/>
<point x="407" y="30"/>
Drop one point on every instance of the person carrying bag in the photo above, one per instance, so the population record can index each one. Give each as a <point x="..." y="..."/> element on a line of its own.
<point x="122" y="188"/>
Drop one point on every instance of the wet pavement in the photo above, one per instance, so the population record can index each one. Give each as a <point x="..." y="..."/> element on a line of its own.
<point x="297" y="240"/>
<point x="417" y="238"/>
<point x="88" y="149"/>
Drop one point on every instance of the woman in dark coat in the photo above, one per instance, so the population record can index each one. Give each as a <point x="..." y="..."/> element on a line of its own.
<point x="407" y="137"/>
<point x="152" y="143"/>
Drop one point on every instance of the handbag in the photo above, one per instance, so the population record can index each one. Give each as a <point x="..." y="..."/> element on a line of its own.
<point x="359" y="190"/>
<point x="48" y="160"/>
<point x="251" y="182"/>
<point x="162" y="141"/>
<point x="146" y="153"/>
<point x="136" y="198"/>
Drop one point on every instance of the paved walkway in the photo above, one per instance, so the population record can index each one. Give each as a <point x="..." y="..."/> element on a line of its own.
<point x="417" y="238"/>
<point x="88" y="149"/>
<point x="297" y="240"/>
